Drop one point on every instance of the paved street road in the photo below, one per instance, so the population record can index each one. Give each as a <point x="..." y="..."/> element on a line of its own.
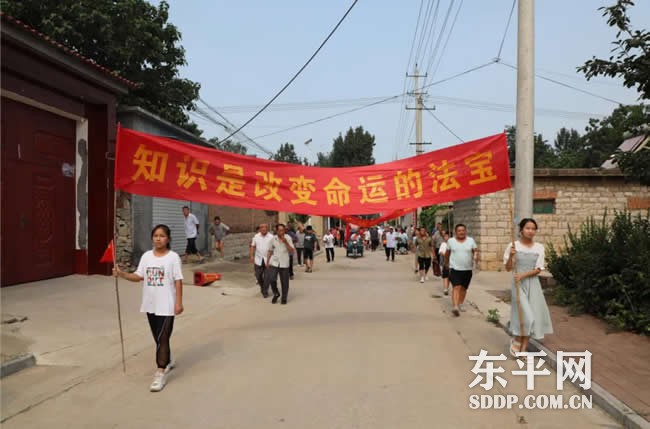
<point x="361" y="344"/>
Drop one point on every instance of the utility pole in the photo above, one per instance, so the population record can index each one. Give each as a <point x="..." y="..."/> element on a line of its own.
<point x="419" y="107"/>
<point x="525" y="143"/>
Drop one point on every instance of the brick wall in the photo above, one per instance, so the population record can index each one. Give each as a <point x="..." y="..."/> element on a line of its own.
<point x="576" y="199"/>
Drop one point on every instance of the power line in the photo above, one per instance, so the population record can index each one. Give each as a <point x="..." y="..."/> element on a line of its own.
<point x="233" y="126"/>
<point x="445" y="126"/>
<point x="430" y="36"/>
<point x="566" y="85"/>
<point x="330" y="116"/>
<point x="415" y="33"/>
<point x="442" y="32"/>
<point x="298" y="72"/>
<point x="444" y="47"/>
<point x="423" y="32"/>
<point x="505" y="33"/>
<point x="373" y="104"/>
<point x="457" y="75"/>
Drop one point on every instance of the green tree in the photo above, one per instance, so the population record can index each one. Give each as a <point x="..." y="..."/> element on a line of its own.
<point x="544" y="154"/>
<point x="630" y="57"/>
<point x="428" y="217"/>
<point x="353" y="150"/>
<point x="569" y="149"/>
<point x="287" y="153"/>
<point x="324" y="159"/>
<point x="635" y="165"/>
<point x="603" y="136"/>
<point x="229" y="146"/>
<point x="131" y="37"/>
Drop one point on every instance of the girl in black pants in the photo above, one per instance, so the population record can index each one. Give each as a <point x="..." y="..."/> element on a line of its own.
<point x="160" y="272"/>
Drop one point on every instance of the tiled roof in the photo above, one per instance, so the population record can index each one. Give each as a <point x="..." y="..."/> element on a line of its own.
<point x="73" y="53"/>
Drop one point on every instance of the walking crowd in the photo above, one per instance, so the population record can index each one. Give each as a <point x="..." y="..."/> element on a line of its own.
<point x="454" y="258"/>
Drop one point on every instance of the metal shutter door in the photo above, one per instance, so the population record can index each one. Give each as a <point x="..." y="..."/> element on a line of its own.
<point x="170" y="213"/>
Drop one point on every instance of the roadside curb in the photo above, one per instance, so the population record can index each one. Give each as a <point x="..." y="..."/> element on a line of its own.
<point x="601" y="397"/>
<point x="19" y="363"/>
<point x="605" y="400"/>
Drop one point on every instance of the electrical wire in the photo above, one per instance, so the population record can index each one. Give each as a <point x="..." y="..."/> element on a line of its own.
<point x="566" y="85"/>
<point x="304" y="124"/>
<point x="233" y="126"/>
<point x="505" y="33"/>
<point x="457" y="75"/>
<point x="440" y="35"/>
<point x="444" y="125"/>
<point x="372" y="104"/>
<point x="415" y="33"/>
<point x="295" y="76"/>
<point x="444" y="47"/>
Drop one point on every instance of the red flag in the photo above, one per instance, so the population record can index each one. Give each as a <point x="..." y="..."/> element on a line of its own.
<point x="108" y="257"/>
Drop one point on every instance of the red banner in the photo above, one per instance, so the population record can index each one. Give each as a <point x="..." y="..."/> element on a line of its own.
<point x="367" y="223"/>
<point x="156" y="166"/>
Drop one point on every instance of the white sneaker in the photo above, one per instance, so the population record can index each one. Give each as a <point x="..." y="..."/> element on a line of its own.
<point x="159" y="381"/>
<point x="421" y="279"/>
<point x="426" y="277"/>
<point x="462" y="307"/>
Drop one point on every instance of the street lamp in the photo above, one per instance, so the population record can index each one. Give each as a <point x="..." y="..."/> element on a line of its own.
<point x="308" y="148"/>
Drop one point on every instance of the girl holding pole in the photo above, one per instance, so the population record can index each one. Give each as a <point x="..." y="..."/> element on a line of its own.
<point x="529" y="315"/>
<point x="162" y="296"/>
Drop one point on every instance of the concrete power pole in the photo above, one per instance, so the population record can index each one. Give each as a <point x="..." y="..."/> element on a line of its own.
<point x="419" y="107"/>
<point x="525" y="144"/>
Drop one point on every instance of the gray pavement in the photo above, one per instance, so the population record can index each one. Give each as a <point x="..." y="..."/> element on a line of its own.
<point x="361" y="344"/>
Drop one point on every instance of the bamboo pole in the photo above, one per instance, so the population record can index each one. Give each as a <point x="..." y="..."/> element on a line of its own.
<point x="117" y="289"/>
<point x="514" y="270"/>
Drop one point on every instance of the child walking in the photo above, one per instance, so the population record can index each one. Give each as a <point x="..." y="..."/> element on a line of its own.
<point x="162" y="296"/>
<point x="530" y="262"/>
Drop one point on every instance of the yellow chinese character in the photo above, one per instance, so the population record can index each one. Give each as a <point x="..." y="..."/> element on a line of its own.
<point x="405" y="182"/>
<point x="372" y="189"/>
<point x="481" y="167"/>
<point x="232" y="182"/>
<point x="337" y="192"/>
<point x="443" y="177"/>
<point x="303" y="188"/>
<point x="267" y="186"/>
<point x="198" y="167"/>
<point x="151" y="165"/>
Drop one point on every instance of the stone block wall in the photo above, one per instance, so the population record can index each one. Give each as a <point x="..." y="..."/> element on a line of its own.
<point x="576" y="199"/>
<point x="237" y="245"/>
<point x="239" y="219"/>
<point x="468" y="212"/>
<point x="124" y="244"/>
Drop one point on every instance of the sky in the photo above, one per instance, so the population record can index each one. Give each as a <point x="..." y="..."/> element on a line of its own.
<point x="243" y="52"/>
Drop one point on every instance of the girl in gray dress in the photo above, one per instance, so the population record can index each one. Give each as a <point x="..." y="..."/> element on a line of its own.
<point x="530" y="263"/>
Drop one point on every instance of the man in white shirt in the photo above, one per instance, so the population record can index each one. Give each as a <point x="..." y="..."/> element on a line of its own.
<point x="462" y="253"/>
<point x="391" y="239"/>
<point x="328" y="242"/>
<point x="366" y="239"/>
<point x="278" y="260"/>
<point x="191" y="232"/>
<point x="258" y="253"/>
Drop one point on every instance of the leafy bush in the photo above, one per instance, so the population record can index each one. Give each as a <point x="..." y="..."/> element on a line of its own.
<point x="605" y="271"/>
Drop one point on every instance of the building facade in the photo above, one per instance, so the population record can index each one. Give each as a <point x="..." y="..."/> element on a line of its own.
<point x="563" y="199"/>
<point x="58" y="141"/>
